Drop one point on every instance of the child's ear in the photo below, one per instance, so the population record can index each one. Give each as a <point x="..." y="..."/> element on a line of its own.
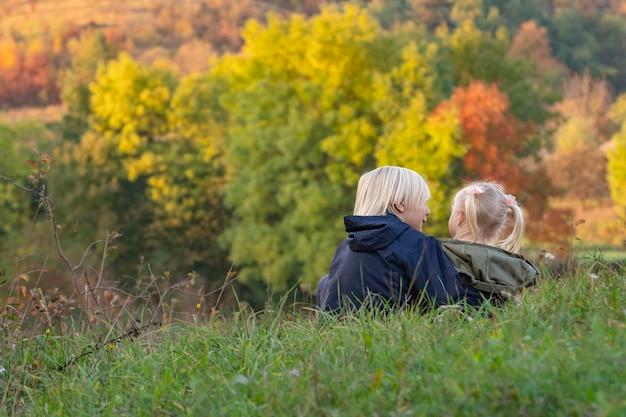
<point x="460" y="217"/>
<point x="399" y="207"/>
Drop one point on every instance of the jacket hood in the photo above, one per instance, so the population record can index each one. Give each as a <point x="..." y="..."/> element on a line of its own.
<point x="489" y="268"/>
<point x="371" y="233"/>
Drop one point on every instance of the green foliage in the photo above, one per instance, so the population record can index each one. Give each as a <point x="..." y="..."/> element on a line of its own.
<point x="87" y="53"/>
<point x="515" y="12"/>
<point x="303" y="132"/>
<point x="412" y="136"/>
<point x="482" y="55"/>
<point x="389" y="12"/>
<point x="591" y="43"/>
<point x="12" y="155"/>
<point x="18" y="211"/>
<point x="610" y="30"/>
<point x="104" y="174"/>
<point x="186" y="190"/>
<point x="150" y="165"/>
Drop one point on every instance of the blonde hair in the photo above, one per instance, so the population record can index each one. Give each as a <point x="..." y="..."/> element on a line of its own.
<point x="380" y="190"/>
<point x="491" y="215"/>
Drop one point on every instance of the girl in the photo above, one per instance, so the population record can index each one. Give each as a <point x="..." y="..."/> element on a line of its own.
<point x="487" y="228"/>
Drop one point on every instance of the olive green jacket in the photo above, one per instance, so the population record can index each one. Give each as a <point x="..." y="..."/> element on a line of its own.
<point x="489" y="268"/>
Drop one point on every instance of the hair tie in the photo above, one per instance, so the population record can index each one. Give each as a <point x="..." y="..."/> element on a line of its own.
<point x="475" y="189"/>
<point x="510" y="200"/>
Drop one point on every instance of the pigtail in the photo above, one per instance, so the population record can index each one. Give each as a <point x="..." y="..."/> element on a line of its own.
<point x="471" y="216"/>
<point x="513" y="242"/>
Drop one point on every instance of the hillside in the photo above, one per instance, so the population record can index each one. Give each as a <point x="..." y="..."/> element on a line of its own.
<point x="116" y="13"/>
<point x="81" y="13"/>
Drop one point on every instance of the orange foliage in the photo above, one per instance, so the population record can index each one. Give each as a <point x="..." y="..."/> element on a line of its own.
<point x="531" y="42"/>
<point x="493" y="135"/>
<point x="554" y="227"/>
<point x="30" y="81"/>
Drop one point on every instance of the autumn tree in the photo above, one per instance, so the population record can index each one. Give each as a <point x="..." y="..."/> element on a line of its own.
<point x="431" y="12"/>
<point x="315" y="104"/>
<point x="87" y="51"/>
<point x="531" y="43"/>
<point x="186" y="192"/>
<point x="390" y="12"/>
<point x="585" y="102"/>
<point x="617" y="155"/>
<point x="491" y="135"/>
<point x="578" y="137"/>
<point x="480" y="55"/>
<point x="106" y="173"/>
<point x="413" y="134"/>
<point x="300" y="98"/>
<point x="514" y="13"/>
<point x="575" y="183"/>
<point x="147" y="167"/>
<point x="588" y="7"/>
<point x="27" y="76"/>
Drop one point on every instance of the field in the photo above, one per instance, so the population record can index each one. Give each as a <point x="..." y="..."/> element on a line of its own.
<point x="560" y="352"/>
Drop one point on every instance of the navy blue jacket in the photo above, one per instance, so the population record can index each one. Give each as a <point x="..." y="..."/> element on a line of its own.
<point x="385" y="262"/>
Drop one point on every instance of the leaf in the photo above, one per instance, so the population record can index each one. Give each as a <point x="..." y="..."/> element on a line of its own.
<point x="46" y="159"/>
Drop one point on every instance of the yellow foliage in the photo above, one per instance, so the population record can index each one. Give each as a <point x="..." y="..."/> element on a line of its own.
<point x="617" y="154"/>
<point x="129" y="143"/>
<point x="8" y="53"/>
<point x="144" y="165"/>
<point x="426" y="144"/>
<point x="183" y="29"/>
<point x="35" y="46"/>
<point x="57" y="44"/>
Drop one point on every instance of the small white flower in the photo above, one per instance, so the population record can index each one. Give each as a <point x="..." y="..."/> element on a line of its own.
<point x="593" y="276"/>
<point x="241" y="380"/>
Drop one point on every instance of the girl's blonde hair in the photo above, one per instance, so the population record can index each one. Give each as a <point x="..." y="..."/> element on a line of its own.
<point x="491" y="215"/>
<point x="380" y="190"/>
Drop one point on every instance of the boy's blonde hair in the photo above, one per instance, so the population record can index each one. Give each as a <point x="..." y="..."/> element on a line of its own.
<point x="380" y="190"/>
<point x="491" y="215"/>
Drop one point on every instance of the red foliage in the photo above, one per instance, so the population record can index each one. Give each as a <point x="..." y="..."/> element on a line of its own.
<point x="555" y="227"/>
<point x="28" y="82"/>
<point x="493" y="135"/>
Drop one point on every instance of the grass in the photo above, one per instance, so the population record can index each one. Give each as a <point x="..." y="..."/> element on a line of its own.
<point x="560" y="353"/>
